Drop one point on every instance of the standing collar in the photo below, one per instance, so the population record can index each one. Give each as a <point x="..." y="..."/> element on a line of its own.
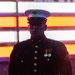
<point x="38" y="40"/>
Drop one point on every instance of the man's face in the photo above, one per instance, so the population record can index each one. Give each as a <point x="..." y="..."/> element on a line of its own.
<point x="37" y="27"/>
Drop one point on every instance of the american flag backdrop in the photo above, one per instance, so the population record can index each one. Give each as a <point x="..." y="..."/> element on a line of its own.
<point x="13" y="23"/>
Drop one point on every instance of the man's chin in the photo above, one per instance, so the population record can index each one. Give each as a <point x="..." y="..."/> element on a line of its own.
<point x="36" y="36"/>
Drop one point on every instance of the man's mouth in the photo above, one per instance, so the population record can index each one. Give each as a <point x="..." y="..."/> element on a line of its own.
<point x="35" y="32"/>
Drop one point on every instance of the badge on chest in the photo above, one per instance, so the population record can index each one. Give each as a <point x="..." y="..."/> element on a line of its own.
<point x="48" y="52"/>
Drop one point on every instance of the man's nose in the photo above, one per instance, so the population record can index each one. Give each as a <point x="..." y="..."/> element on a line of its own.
<point x="35" y="27"/>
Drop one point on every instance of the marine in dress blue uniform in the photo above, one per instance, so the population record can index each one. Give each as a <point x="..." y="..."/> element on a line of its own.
<point x="39" y="55"/>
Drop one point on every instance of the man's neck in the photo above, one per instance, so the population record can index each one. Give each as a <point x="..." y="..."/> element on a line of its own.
<point x="38" y="38"/>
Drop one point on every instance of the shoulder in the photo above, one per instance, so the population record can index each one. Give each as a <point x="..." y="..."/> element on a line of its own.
<point x="22" y="43"/>
<point x="56" y="43"/>
<point x="19" y="47"/>
<point x="59" y="47"/>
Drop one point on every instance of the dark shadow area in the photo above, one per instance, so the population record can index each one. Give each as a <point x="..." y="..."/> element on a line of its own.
<point x="72" y="57"/>
<point x="4" y="66"/>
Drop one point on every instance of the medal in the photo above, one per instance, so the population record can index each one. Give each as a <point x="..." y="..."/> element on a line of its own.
<point x="48" y="52"/>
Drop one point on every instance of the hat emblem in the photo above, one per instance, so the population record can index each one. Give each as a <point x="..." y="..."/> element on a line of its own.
<point x="34" y="12"/>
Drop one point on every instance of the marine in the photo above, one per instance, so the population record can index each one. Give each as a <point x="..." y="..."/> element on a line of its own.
<point x="39" y="55"/>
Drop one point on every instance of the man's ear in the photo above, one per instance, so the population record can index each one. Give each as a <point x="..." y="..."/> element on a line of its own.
<point x="45" y="24"/>
<point x="28" y="27"/>
<point x="45" y="27"/>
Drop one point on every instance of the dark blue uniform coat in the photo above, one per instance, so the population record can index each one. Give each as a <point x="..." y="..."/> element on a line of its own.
<point x="43" y="57"/>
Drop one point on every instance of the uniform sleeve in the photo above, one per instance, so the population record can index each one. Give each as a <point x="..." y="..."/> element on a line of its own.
<point x="12" y="63"/>
<point x="66" y="68"/>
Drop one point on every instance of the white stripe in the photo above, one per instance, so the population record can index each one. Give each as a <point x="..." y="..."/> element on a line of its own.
<point x="10" y="7"/>
<point x="61" y="35"/>
<point x="8" y="36"/>
<point x="52" y="7"/>
<point x="7" y="7"/>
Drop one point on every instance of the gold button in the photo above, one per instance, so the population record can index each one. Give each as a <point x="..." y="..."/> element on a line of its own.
<point x="39" y="40"/>
<point x="21" y="61"/>
<point x="35" y="58"/>
<point x="48" y="59"/>
<point x="36" y="46"/>
<point x="36" y="52"/>
<point x="35" y="64"/>
<point x="35" y="70"/>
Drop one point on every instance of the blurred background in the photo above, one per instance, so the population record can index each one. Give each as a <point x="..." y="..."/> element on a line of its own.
<point x="13" y="25"/>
